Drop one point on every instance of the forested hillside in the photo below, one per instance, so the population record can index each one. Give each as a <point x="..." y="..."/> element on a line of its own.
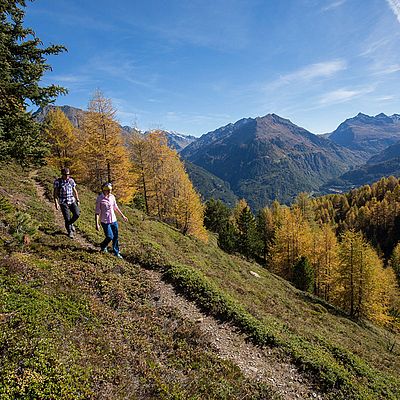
<point x="343" y="248"/>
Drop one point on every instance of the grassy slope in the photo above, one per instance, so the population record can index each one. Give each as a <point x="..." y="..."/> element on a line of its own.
<point x="349" y="359"/>
<point x="75" y="324"/>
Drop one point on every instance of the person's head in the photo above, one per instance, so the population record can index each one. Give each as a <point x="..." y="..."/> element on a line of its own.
<point x="65" y="172"/>
<point x="106" y="188"/>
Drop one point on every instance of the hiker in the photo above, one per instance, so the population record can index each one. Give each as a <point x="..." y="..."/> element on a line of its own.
<point x="66" y="197"/>
<point x="106" y="205"/>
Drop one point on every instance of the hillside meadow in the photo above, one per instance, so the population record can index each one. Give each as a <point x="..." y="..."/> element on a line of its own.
<point x="82" y="322"/>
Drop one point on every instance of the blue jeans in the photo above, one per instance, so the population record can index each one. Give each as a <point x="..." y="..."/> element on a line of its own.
<point x="111" y="233"/>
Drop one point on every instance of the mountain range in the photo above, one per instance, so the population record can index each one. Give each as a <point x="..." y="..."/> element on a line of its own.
<point x="378" y="139"/>
<point x="269" y="158"/>
<point x="266" y="158"/>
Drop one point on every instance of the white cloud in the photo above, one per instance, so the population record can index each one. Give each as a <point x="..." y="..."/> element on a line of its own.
<point x="333" y="5"/>
<point x="374" y="46"/>
<point x="343" y="95"/>
<point x="395" y="6"/>
<point x="309" y="73"/>
<point x="389" y="69"/>
<point x="385" y="98"/>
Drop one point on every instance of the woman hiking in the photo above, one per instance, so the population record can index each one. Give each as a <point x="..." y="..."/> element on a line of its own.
<point x="106" y="205"/>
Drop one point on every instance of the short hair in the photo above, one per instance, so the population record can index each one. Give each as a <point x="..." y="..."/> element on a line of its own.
<point x="64" y="171"/>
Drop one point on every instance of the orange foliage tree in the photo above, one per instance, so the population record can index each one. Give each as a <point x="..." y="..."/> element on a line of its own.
<point x="60" y="134"/>
<point x="165" y="186"/>
<point x="103" y="157"/>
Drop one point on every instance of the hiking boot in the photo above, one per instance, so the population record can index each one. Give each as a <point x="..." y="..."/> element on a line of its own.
<point x="71" y="235"/>
<point x="73" y="228"/>
<point x="105" y="251"/>
<point x="119" y="256"/>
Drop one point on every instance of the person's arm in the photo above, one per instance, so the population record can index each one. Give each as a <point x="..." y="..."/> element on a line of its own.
<point x="55" y="196"/>
<point x="97" y="221"/>
<point x="76" y="194"/>
<point x="97" y="214"/>
<point x="116" y="208"/>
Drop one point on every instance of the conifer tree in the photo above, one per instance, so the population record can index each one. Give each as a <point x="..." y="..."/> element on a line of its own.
<point x="363" y="280"/>
<point x="266" y="226"/>
<point x="303" y="275"/>
<point x="304" y="203"/>
<point x="228" y="237"/>
<point x="216" y="215"/>
<point x="103" y="156"/>
<point x="22" y="66"/>
<point x="395" y="261"/>
<point x="60" y="134"/>
<point x="325" y="261"/>
<point x="140" y="157"/>
<point x="246" y="230"/>
<point x="238" y="209"/>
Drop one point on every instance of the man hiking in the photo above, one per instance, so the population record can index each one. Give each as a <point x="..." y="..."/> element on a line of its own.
<point x="66" y="197"/>
<point x="106" y="205"/>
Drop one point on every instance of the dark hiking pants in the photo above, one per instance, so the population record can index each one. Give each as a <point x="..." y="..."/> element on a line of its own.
<point x="67" y="210"/>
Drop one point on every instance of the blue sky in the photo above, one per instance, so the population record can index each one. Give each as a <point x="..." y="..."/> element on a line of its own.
<point x="195" y="65"/>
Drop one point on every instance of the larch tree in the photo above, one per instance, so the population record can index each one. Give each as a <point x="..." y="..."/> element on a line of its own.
<point x="158" y="173"/>
<point x="364" y="282"/>
<point x="60" y="134"/>
<point x="305" y="204"/>
<point x="163" y="182"/>
<point x="238" y="209"/>
<point x="103" y="156"/>
<point x="325" y="261"/>
<point x="140" y="156"/>
<point x="293" y="239"/>
<point x="188" y="211"/>
<point x="23" y="62"/>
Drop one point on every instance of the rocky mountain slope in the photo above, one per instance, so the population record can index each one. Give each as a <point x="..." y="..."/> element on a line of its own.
<point x="387" y="154"/>
<point x="368" y="134"/>
<point x="73" y="114"/>
<point x="269" y="158"/>
<point x="178" y="141"/>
